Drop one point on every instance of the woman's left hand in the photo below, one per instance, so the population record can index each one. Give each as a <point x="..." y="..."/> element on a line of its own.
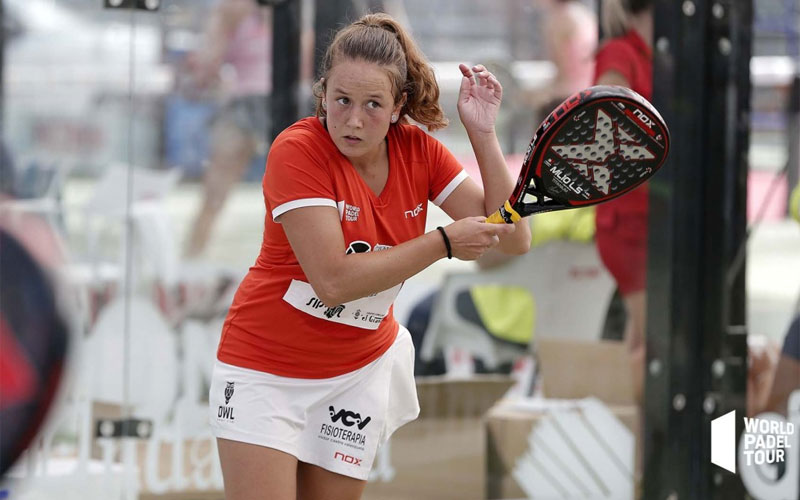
<point x="478" y="99"/>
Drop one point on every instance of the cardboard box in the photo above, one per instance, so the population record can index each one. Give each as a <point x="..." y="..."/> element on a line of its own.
<point x="578" y="441"/>
<point x="575" y="369"/>
<point x="559" y="449"/>
<point x="441" y="454"/>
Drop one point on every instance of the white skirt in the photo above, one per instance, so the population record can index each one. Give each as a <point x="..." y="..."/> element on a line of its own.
<point x="336" y="423"/>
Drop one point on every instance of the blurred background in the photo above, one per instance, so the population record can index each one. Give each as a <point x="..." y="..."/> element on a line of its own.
<point x="134" y="139"/>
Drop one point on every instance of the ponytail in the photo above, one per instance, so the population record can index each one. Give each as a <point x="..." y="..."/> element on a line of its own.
<point x="379" y="39"/>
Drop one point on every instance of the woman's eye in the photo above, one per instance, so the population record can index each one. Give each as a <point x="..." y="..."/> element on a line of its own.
<point x="343" y="100"/>
<point x="373" y="105"/>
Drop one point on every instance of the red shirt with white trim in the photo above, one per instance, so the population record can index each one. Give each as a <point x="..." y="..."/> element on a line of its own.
<point x="276" y="323"/>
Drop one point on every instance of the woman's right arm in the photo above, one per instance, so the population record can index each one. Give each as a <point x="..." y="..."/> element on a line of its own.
<point x="316" y="238"/>
<point x="612" y="64"/>
<point x="613" y="77"/>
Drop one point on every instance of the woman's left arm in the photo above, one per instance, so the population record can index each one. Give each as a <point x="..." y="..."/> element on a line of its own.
<point x="478" y="104"/>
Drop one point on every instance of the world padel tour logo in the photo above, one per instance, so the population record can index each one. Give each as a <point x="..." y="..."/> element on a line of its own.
<point x="764" y="441"/>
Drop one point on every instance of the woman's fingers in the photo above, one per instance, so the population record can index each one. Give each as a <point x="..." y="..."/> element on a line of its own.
<point x="498" y="230"/>
<point x="465" y="71"/>
<point x="472" y="236"/>
<point x="495" y="83"/>
<point x="478" y="72"/>
<point x="480" y="76"/>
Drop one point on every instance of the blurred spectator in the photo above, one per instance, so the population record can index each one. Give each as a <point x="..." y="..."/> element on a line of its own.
<point x="786" y="377"/>
<point x="236" y="55"/>
<point x="8" y="174"/>
<point x="570" y="36"/>
<point x="29" y="228"/>
<point x="622" y="224"/>
<point x="504" y="312"/>
<point x="626" y="59"/>
<point x="763" y="357"/>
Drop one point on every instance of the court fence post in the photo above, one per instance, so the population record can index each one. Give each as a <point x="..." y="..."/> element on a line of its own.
<point x="696" y="364"/>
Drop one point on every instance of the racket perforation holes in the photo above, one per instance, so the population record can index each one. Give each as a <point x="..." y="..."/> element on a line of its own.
<point x="598" y="144"/>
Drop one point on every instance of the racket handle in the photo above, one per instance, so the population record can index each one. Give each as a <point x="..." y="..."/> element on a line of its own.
<point x="504" y="215"/>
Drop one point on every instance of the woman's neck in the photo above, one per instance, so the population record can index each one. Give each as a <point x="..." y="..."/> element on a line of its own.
<point x="643" y="24"/>
<point x="372" y="161"/>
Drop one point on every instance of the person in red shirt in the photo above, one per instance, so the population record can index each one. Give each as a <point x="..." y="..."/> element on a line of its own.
<point x="313" y="372"/>
<point x="625" y="59"/>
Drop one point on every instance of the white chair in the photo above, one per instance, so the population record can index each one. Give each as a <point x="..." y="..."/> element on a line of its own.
<point x="152" y="235"/>
<point x="570" y="287"/>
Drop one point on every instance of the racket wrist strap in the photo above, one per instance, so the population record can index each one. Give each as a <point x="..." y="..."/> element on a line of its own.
<point x="446" y="242"/>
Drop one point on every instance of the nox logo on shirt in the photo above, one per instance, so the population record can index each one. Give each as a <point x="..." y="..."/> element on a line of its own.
<point x="348" y="418"/>
<point x="413" y="213"/>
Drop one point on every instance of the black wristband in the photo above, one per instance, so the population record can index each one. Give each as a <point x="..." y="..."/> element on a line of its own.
<point x="446" y="242"/>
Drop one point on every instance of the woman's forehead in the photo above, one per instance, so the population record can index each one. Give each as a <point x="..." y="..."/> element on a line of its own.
<point x="359" y="76"/>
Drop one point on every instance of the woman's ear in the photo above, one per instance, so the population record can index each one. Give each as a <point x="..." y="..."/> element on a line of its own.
<point x="399" y="105"/>
<point x="320" y="87"/>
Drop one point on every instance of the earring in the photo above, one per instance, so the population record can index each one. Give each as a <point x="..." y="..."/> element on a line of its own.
<point x="394" y="118"/>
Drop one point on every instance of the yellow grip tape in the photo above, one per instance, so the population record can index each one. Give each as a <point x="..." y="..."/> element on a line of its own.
<point x="504" y="215"/>
<point x="495" y="218"/>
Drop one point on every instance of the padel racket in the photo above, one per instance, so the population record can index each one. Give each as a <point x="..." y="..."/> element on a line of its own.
<point x="600" y="143"/>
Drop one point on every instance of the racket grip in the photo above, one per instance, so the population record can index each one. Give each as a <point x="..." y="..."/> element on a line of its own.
<point x="504" y="215"/>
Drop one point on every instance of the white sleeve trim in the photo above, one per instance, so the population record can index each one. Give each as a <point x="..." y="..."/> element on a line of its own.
<point x="458" y="179"/>
<point x="305" y="202"/>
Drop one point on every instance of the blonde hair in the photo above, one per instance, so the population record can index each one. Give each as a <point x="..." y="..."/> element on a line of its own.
<point x="615" y="18"/>
<point x="379" y="39"/>
<point x="616" y="15"/>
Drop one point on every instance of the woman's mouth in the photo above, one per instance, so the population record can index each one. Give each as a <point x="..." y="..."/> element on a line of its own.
<point x="351" y="139"/>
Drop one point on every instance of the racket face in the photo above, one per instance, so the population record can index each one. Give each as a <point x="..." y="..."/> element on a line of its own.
<point x="597" y="145"/>
<point x="33" y="345"/>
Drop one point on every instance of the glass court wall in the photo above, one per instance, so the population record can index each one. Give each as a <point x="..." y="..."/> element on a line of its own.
<point x="137" y="139"/>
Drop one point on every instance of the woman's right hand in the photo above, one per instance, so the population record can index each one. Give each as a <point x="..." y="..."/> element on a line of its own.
<point x="472" y="236"/>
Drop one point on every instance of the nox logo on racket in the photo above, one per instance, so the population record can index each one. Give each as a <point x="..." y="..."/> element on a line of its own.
<point x="642" y="117"/>
<point x="599" y="144"/>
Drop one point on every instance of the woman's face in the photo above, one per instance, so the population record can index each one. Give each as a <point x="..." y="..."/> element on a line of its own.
<point x="359" y="105"/>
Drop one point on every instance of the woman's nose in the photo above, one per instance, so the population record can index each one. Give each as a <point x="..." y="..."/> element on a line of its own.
<point x="354" y="119"/>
